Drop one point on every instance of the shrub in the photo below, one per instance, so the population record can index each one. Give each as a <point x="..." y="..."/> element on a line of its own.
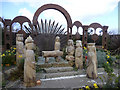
<point x="107" y="67"/>
<point x="104" y="56"/>
<point x="112" y="81"/>
<point x="37" y="53"/>
<point x="21" y="65"/>
<point x="9" y="57"/>
<point x="64" y="53"/>
<point x="114" y="44"/>
<point x="101" y="57"/>
<point x="110" y="58"/>
<point x="85" y="52"/>
<point x="117" y="56"/>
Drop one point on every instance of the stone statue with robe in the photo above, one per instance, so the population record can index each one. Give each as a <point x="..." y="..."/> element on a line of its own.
<point x="92" y="61"/>
<point x="29" y="64"/>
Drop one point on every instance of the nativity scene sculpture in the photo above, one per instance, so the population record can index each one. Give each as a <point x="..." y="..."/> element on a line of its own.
<point x="70" y="50"/>
<point x="92" y="61"/>
<point x="57" y="43"/>
<point x="79" y="55"/>
<point x="19" y="49"/>
<point x="29" y="65"/>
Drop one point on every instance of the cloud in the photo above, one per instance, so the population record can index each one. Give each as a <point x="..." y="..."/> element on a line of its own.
<point x="82" y="10"/>
<point x="53" y="15"/>
<point x="78" y="9"/>
<point x="26" y="12"/>
<point x="50" y="14"/>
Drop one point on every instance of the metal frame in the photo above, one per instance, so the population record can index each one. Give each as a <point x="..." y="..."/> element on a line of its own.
<point x="60" y="9"/>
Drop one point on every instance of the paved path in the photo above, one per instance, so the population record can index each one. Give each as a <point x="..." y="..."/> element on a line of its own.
<point x="66" y="82"/>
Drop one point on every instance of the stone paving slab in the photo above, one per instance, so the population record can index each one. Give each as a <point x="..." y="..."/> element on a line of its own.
<point x="56" y="72"/>
<point x="41" y="60"/>
<point x="68" y="82"/>
<point x="58" y="69"/>
<point x="60" y="74"/>
<point x="75" y="82"/>
<point x="56" y="83"/>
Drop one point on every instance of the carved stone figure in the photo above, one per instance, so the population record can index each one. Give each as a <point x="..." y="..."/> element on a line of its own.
<point x="79" y="55"/>
<point x="57" y="43"/>
<point x="92" y="61"/>
<point x="19" y="48"/>
<point x="29" y="65"/>
<point x="70" y="50"/>
<point x="57" y="47"/>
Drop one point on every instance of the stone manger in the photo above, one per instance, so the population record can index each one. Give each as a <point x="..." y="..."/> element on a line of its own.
<point x="56" y="53"/>
<point x="48" y="54"/>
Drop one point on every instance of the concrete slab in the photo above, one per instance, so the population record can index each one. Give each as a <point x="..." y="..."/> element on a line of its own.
<point x="68" y="83"/>
<point x="58" y="69"/>
<point x="62" y="74"/>
<point x="53" y="84"/>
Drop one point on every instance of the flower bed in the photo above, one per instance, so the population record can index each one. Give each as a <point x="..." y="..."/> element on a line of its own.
<point x="9" y="57"/>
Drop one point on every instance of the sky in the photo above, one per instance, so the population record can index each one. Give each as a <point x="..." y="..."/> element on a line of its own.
<point x="104" y="12"/>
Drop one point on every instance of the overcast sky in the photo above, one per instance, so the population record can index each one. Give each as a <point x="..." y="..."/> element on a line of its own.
<point x="104" y="12"/>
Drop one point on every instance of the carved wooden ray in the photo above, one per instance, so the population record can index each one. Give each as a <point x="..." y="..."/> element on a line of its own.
<point x="27" y="29"/>
<point x="61" y="31"/>
<point x="48" y="30"/>
<point x="49" y="26"/>
<point x="42" y="26"/>
<point x="58" y="29"/>
<point x="52" y="27"/>
<point x="45" y="26"/>
<point x="37" y="30"/>
<point x="55" y="28"/>
<point x="39" y="27"/>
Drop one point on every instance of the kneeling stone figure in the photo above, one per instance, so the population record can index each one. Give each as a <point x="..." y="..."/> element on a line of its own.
<point x="79" y="55"/>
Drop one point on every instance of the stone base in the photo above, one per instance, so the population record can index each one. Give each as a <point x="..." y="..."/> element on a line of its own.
<point x="70" y="58"/>
<point x="94" y="77"/>
<point x="29" y="84"/>
<point x="52" y="62"/>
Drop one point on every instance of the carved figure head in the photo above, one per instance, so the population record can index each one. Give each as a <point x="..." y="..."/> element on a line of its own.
<point x="70" y="42"/>
<point x="19" y="37"/>
<point x="29" y="43"/>
<point x="91" y="47"/>
<point x="57" y="39"/>
<point x="78" y="43"/>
